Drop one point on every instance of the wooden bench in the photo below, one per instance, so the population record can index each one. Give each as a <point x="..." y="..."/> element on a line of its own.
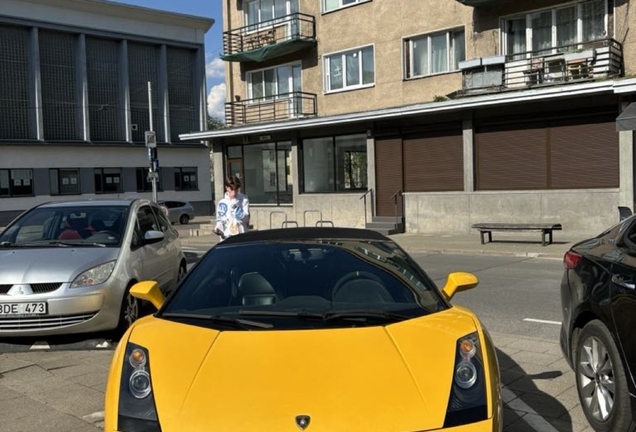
<point x="487" y="228"/>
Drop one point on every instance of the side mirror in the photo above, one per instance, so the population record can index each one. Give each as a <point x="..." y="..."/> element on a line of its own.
<point x="153" y="236"/>
<point x="458" y="282"/>
<point x="149" y="291"/>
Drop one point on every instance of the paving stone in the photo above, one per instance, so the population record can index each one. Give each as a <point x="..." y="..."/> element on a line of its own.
<point x="15" y="408"/>
<point x="532" y="346"/>
<point x="50" y="421"/>
<point x="7" y="393"/>
<point x="9" y="363"/>
<point x="95" y="380"/>
<point x="74" y="399"/>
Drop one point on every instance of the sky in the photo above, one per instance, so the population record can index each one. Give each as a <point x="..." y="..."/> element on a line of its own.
<point x="213" y="42"/>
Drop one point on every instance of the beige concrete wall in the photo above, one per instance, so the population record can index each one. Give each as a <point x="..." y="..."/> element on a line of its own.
<point x="384" y="24"/>
<point x="344" y="210"/>
<point x="581" y="212"/>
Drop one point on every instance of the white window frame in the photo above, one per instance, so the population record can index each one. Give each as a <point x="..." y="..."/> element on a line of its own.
<point x="450" y="52"/>
<point x="553" y="10"/>
<point x="327" y="75"/>
<point x="256" y="27"/>
<point x="323" y="5"/>
<point x="249" y="90"/>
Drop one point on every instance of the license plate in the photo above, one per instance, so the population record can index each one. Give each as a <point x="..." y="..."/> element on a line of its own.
<point x="33" y="308"/>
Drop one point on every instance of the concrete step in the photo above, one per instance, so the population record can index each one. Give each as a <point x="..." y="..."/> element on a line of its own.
<point x="386" y="219"/>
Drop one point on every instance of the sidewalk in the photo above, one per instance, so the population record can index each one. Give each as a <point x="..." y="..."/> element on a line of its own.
<point x="515" y="244"/>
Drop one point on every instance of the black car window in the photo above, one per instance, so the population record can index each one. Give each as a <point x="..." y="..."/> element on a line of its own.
<point x="146" y="220"/>
<point x="318" y="278"/>
<point x="164" y="224"/>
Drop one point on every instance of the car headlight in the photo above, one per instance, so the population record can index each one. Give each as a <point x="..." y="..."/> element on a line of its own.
<point x="137" y="411"/>
<point x="95" y="276"/>
<point x="467" y="402"/>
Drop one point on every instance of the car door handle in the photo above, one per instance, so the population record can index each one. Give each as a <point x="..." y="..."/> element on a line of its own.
<point x="623" y="281"/>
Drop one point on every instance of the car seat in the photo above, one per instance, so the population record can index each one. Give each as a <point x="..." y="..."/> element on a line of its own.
<point x="255" y="290"/>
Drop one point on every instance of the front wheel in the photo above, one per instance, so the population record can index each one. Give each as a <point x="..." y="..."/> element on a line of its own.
<point x="129" y="312"/>
<point x="601" y="381"/>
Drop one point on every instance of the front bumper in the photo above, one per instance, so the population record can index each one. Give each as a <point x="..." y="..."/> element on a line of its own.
<point x="70" y="311"/>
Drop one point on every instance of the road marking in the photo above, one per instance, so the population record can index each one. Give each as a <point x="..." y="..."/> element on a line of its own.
<point x="104" y="344"/>
<point x="40" y="346"/>
<point x="542" y="321"/>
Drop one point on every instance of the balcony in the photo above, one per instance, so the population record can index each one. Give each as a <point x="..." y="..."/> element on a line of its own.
<point x="270" y="39"/>
<point x="561" y="65"/>
<point x="285" y="106"/>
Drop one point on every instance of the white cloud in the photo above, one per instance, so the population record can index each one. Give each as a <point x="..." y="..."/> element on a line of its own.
<point x="216" y="101"/>
<point x="215" y="68"/>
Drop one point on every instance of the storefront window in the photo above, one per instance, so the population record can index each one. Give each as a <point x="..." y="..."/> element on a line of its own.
<point x="335" y="164"/>
<point x="266" y="171"/>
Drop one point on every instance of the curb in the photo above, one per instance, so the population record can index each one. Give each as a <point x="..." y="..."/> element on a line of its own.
<point x="545" y="255"/>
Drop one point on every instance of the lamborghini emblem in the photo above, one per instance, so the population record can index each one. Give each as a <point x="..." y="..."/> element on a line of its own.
<point x="302" y="421"/>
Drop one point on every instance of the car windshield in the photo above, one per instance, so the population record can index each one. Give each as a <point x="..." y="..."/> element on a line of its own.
<point x="67" y="225"/>
<point x="303" y="284"/>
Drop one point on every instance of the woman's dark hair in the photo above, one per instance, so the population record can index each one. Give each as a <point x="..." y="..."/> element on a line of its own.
<point x="233" y="182"/>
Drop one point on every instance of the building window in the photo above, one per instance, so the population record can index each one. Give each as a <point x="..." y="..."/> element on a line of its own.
<point x="16" y="182"/>
<point x="143" y="184"/>
<point x="14" y="83"/>
<point x="434" y="53"/>
<point x="329" y="5"/>
<point x="64" y="181"/>
<point x="267" y="173"/>
<point x="186" y="179"/>
<point x="555" y="30"/>
<point x="258" y="11"/>
<point x="107" y="180"/>
<point x="349" y="70"/>
<point x="335" y="164"/>
<point x="273" y="83"/>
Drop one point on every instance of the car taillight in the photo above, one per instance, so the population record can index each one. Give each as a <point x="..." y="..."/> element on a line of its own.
<point x="571" y="260"/>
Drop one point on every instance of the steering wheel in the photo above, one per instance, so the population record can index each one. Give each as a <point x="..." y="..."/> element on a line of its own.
<point x="352" y="276"/>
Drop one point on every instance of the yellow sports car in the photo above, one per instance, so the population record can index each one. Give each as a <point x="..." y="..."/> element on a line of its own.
<point x="305" y="329"/>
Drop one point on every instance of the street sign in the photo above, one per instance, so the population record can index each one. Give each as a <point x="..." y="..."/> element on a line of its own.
<point x="151" y="139"/>
<point x="153" y="176"/>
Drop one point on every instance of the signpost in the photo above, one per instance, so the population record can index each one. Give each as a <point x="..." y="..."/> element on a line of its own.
<point x="151" y="144"/>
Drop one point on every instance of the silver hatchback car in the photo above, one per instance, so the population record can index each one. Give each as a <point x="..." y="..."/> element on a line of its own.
<point x="68" y="267"/>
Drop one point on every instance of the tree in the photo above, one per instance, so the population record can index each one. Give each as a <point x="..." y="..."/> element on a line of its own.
<point x="215" y="123"/>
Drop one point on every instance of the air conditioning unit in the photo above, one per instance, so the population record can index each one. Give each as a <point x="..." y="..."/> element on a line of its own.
<point x="483" y="73"/>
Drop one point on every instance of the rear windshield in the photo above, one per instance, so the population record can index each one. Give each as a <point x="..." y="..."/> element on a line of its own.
<point x="294" y="284"/>
<point x="78" y="225"/>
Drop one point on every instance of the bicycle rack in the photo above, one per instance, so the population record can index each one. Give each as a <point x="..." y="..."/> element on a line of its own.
<point x="284" y="223"/>
<point x="319" y="222"/>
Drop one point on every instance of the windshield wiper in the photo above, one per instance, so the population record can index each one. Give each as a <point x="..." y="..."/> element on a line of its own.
<point x="218" y="319"/>
<point x="364" y="314"/>
<point x="343" y="314"/>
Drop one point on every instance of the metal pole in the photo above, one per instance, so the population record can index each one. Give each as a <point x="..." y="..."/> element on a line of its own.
<point x="152" y="169"/>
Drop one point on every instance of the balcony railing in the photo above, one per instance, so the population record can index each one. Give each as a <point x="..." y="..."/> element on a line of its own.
<point x="268" y="39"/>
<point x="284" y="106"/>
<point x="575" y="63"/>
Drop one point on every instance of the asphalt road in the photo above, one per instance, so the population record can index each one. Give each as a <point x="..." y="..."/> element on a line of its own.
<point x="514" y="296"/>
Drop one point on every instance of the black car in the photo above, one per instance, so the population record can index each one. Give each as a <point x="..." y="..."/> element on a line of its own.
<point x="598" y="334"/>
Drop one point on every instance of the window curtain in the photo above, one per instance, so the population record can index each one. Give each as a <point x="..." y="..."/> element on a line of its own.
<point x="439" y="54"/>
<point x="516" y="34"/>
<point x="593" y="17"/>
<point x="566" y="26"/>
<point x="542" y="32"/>
<point x="420" y="56"/>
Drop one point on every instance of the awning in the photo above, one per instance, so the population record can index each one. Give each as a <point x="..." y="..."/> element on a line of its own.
<point x="626" y="121"/>
<point x="270" y="51"/>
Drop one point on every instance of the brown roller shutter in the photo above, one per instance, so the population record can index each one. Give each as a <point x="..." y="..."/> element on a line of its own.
<point x="388" y="166"/>
<point x="584" y="154"/>
<point x="510" y="157"/>
<point x="434" y="162"/>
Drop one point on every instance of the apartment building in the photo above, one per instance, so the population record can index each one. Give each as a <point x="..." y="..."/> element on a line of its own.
<point x="74" y="103"/>
<point x="435" y="114"/>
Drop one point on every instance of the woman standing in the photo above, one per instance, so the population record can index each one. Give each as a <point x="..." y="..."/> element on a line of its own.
<point x="233" y="211"/>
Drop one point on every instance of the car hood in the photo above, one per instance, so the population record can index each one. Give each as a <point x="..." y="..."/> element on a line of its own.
<point x="51" y="264"/>
<point x="377" y="378"/>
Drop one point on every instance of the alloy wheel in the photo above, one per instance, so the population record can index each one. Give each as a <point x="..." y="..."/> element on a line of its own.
<point x="596" y="378"/>
<point x="131" y="309"/>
